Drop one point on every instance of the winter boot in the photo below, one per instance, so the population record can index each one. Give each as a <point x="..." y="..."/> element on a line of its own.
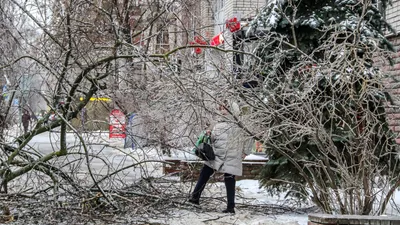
<point x="194" y="201"/>
<point x="229" y="211"/>
<point x="230" y="183"/>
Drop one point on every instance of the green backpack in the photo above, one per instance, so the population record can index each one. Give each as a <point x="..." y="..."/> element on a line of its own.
<point x="203" y="138"/>
<point x="203" y="147"/>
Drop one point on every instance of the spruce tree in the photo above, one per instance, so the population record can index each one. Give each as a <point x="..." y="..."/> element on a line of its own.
<point x="328" y="137"/>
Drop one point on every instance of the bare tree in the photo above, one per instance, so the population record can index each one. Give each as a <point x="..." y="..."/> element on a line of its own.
<point x="318" y="106"/>
<point x="138" y="55"/>
<point x="71" y="52"/>
<point x="317" y="103"/>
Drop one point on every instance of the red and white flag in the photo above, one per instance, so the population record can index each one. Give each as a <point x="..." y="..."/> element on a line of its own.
<point x="217" y="39"/>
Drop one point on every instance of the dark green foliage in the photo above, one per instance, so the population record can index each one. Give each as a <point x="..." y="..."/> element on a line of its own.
<point x="317" y="64"/>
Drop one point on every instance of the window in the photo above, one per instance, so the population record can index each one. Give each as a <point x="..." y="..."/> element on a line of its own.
<point x="162" y="45"/>
<point x="218" y="5"/>
<point x="219" y="15"/>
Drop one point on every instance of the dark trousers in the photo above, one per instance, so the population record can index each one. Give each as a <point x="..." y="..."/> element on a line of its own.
<point x="26" y="126"/>
<point x="229" y="180"/>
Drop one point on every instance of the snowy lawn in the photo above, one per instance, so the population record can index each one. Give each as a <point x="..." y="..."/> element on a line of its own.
<point x="254" y="204"/>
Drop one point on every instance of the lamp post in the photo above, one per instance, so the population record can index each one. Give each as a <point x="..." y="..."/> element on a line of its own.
<point x="22" y="102"/>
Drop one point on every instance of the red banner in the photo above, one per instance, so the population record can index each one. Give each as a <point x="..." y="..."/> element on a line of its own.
<point x="117" y="124"/>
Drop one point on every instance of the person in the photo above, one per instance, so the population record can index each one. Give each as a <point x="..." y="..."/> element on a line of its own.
<point x="26" y="118"/>
<point x="229" y="152"/>
<point x="83" y="118"/>
<point x="52" y="116"/>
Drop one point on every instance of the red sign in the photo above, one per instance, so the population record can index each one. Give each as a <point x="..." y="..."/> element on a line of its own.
<point x="217" y="39"/>
<point x="117" y="124"/>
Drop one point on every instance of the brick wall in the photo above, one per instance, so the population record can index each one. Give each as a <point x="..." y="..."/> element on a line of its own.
<point x="247" y="8"/>
<point x="392" y="85"/>
<point x="190" y="170"/>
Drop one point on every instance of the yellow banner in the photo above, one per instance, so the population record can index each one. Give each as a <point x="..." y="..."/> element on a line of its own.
<point x="97" y="99"/>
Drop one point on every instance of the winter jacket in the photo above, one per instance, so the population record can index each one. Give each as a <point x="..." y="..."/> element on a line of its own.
<point x="229" y="144"/>
<point x="25" y="119"/>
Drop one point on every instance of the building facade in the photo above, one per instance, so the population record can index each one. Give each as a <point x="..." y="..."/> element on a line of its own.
<point x="392" y="82"/>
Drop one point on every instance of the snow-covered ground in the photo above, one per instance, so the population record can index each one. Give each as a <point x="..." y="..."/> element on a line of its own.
<point x="248" y="191"/>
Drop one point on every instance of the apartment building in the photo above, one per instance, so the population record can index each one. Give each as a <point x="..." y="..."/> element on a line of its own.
<point x="208" y="19"/>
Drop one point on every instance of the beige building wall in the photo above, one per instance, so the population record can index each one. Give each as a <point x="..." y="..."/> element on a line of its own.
<point x="207" y="19"/>
<point x="393" y="15"/>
